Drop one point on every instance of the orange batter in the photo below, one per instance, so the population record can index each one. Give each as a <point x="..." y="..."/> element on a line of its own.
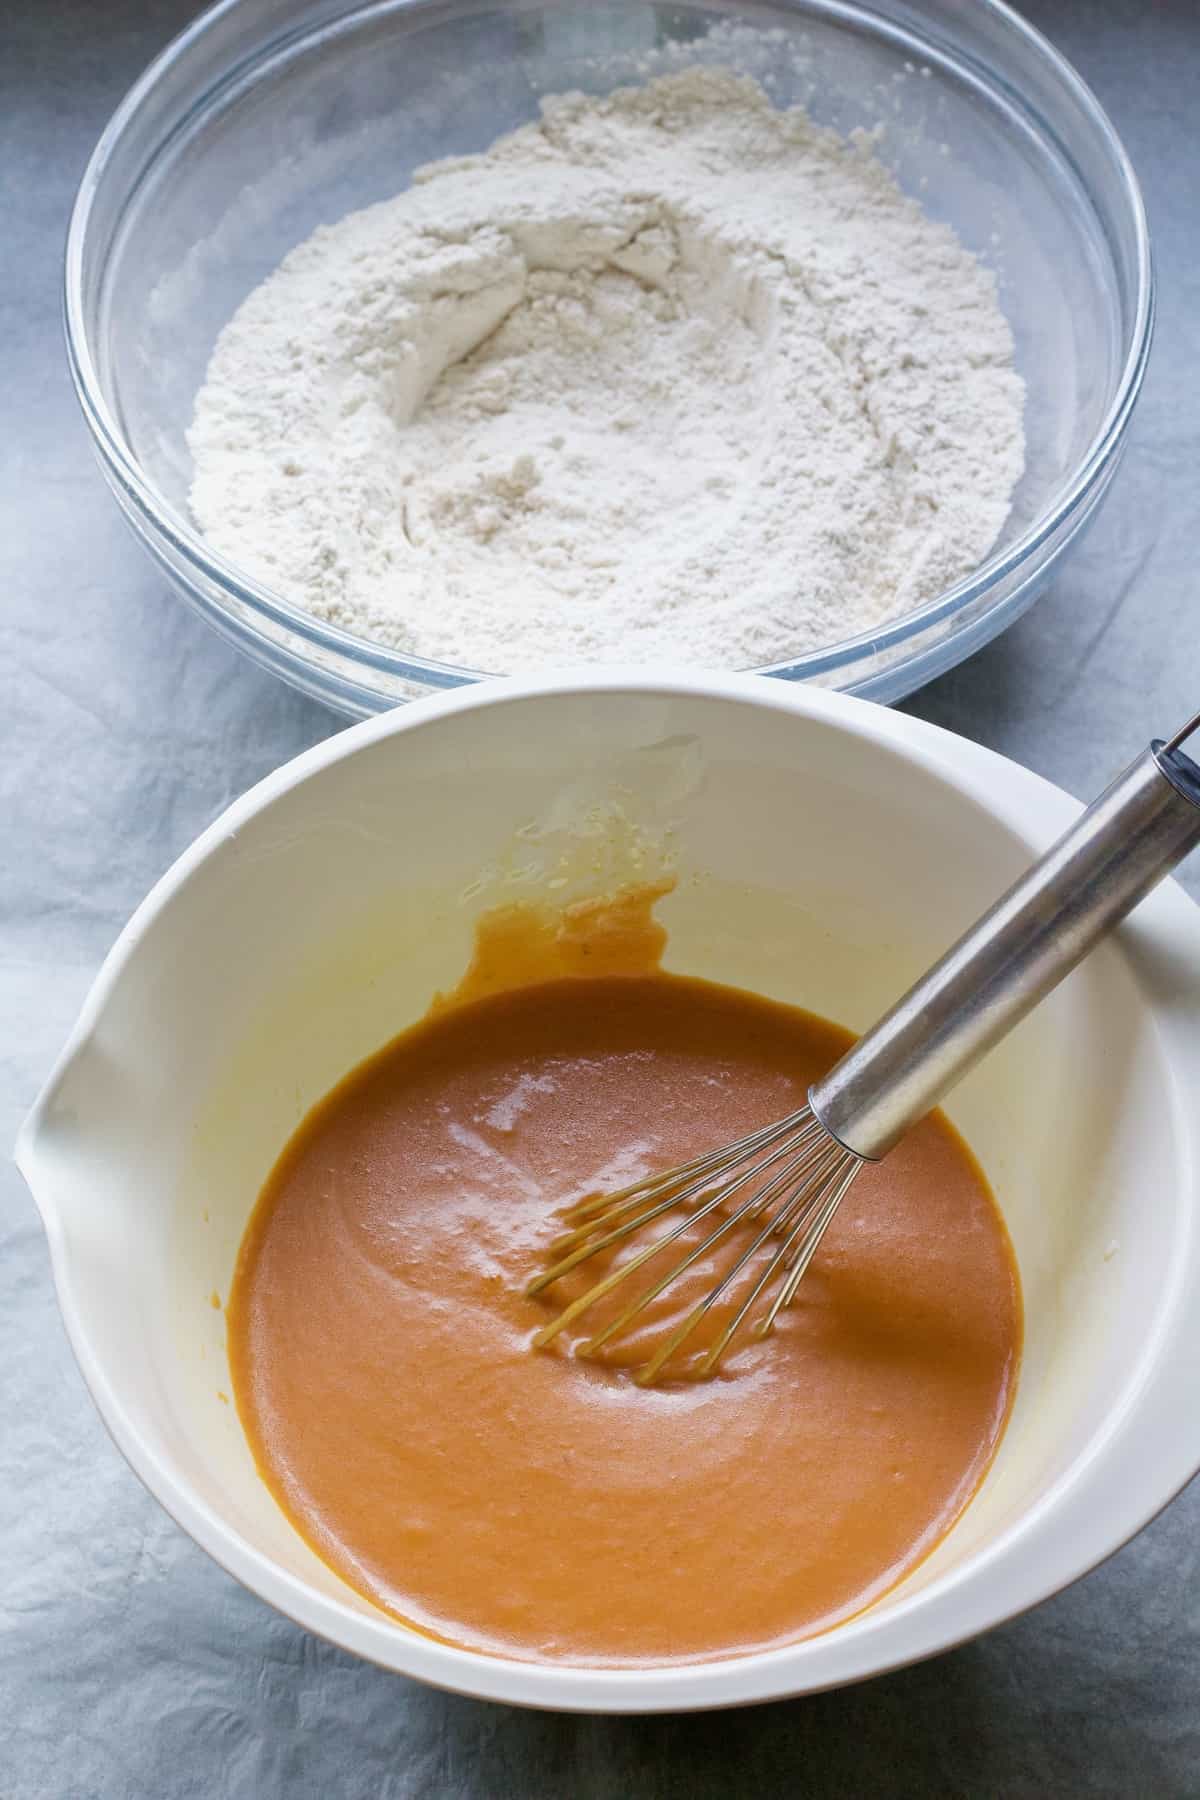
<point x="540" y="1506"/>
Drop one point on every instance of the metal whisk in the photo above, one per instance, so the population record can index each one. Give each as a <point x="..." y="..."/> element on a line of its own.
<point x="789" y="1178"/>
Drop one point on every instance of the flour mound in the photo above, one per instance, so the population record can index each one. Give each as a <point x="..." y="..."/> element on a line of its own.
<point x="669" y="376"/>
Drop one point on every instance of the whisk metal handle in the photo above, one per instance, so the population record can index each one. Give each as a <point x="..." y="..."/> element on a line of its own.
<point x="1121" y="847"/>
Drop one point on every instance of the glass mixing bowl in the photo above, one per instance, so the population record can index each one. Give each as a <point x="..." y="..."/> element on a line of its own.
<point x="268" y="118"/>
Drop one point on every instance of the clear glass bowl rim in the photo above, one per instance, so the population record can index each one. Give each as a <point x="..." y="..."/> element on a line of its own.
<point x="244" y="591"/>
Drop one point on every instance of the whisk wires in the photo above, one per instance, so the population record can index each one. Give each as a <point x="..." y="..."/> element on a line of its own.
<point x="789" y="1177"/>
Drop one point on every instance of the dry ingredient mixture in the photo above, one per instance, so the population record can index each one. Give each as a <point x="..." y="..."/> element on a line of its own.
<point x="671" y="375"/>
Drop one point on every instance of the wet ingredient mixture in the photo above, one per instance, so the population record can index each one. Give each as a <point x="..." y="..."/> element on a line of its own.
<point x="544" y="1507"/>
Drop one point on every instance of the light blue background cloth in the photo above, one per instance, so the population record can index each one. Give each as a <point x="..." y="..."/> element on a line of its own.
<point x="130" y="1665"/>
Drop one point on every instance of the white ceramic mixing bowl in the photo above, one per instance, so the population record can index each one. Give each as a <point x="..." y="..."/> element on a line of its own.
<point x="826" y="849"/>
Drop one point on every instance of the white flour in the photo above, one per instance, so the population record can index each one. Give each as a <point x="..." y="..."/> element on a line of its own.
<point x="668" y="376"/>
